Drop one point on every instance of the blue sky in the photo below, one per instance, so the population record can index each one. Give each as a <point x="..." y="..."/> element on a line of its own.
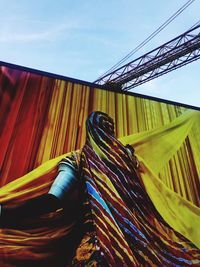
<point x="83" y="39"/>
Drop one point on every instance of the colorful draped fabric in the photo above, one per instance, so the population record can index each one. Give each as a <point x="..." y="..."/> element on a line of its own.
<point x="118" y="225"/>
<point x="127" y="229"/>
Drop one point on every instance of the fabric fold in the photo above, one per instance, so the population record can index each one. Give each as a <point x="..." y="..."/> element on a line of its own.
<point x="180" y="214"/>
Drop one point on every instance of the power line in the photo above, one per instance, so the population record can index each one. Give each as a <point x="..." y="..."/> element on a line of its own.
<point x="150" y="37"/>
<point x="197" y="23"/>
<point x="174" y="54"/>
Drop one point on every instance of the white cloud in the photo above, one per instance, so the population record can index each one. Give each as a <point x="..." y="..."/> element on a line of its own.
<point x="47" y="34"/>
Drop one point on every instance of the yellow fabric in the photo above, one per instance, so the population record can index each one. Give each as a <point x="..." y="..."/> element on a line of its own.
<point x="34" y="183"/>
<point x="154" y="149"/>
<point x="42" y="243"/>
<point x="165" y="141"/>
<point x="179" y="213"/>
<point x="157" y="146"/>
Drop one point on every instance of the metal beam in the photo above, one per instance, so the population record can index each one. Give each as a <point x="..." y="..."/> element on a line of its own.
<point x="174" y="54"/>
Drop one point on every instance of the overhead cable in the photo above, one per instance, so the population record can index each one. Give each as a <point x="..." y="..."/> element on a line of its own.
<point x="150" y="37"/>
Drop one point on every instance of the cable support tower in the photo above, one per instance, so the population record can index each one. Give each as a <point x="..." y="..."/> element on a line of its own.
<point x="174" y="54"/>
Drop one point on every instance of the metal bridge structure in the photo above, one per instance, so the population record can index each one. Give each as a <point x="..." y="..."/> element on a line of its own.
<point x="174" y="54"/>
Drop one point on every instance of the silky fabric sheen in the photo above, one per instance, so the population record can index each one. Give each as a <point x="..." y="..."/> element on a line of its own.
<point x="39" y="181"/>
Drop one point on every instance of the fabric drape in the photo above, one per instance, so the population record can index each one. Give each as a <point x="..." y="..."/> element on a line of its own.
<point x="42" y="117"/>
<point x="182" y="215"/>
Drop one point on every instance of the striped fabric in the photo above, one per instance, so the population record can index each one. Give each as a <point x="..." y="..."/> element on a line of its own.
<point x="121" y="225"/>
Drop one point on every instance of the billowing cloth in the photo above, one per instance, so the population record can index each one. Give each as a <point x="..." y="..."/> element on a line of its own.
<point x="167" y="140"/>
<point x="129" y="231"/>
<point x="119" y="224"/>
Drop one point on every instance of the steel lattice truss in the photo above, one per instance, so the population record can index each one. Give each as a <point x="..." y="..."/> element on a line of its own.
<point x="172" y="55"/>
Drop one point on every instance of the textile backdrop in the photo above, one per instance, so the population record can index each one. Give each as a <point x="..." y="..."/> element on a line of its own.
<point x="42" y="117"/>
